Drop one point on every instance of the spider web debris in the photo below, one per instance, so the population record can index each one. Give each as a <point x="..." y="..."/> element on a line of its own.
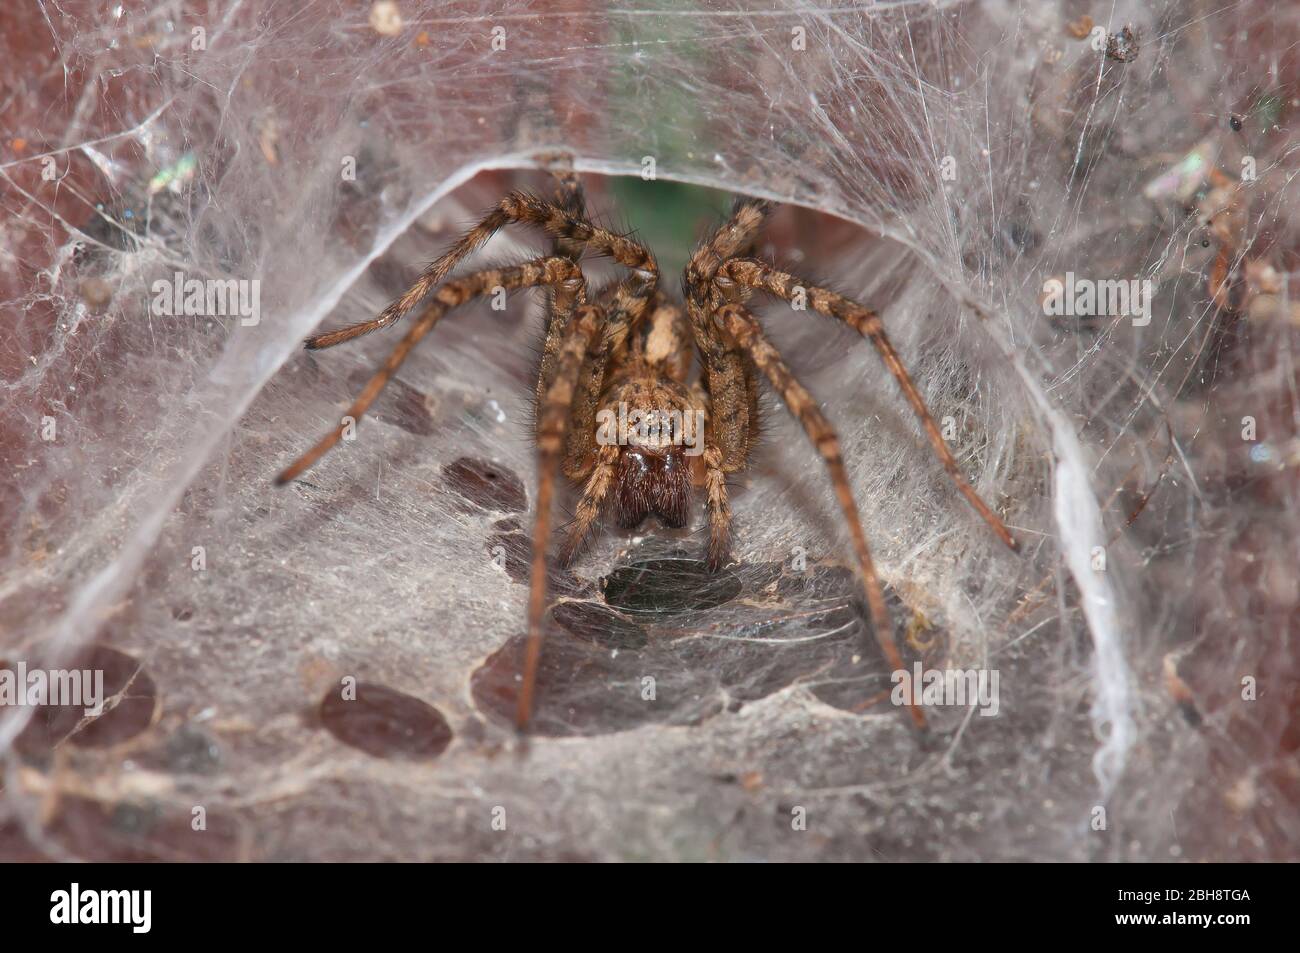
<point x="1144" y="637"/>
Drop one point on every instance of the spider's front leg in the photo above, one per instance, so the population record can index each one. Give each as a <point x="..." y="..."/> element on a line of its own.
<point x="752" y="273"/>
<point x="594" y="494"/>
<point x="732" y="422"/>
<point x="712" y="479"/>
<point x="727" y="377"/>
<point x="553" y="423"/>
<point x="625" y="305"/>
<point x="740" y="326"/>
<point x="717" y="506"/>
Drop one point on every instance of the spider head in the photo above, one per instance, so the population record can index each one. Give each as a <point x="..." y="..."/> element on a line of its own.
<point x="659" y="433"/>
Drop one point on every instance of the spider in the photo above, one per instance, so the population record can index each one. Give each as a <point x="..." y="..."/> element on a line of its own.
<point x="630" y="346"/>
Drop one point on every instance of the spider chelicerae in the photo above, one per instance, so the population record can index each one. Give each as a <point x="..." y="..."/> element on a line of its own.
<point x="626" y="353"/>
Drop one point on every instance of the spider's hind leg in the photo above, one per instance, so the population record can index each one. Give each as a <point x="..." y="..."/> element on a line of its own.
<point x="540" y="271"/>
<point x="570" y="197"/>
<point x="515" y="208"/>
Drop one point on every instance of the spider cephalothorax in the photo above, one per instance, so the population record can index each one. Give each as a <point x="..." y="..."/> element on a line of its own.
<point x="655" y="425"/>
<point x="617" y="411"/>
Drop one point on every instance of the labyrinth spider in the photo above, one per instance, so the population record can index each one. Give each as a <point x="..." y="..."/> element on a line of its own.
<point x="630" y="346"/>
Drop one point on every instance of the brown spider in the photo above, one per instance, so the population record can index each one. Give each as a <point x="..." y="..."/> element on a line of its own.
<point x="628" y="347"/>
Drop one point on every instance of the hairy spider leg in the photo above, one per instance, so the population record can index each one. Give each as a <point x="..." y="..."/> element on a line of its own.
<point x="554" y="420"/>
<point x="728" y="378"/>
<point x="756" y="274"/>
<point x="741" y="326"/>
<point x="540" y="271"/>
<point x="517" y="207"/>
